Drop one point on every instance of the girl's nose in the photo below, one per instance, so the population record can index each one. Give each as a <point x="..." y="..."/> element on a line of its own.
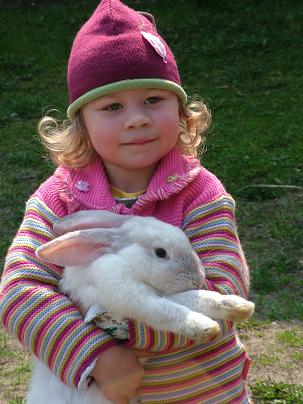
<point x="136" y="120"/>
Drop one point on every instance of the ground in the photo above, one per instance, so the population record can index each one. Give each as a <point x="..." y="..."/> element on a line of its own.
<point x="276" y="351"/>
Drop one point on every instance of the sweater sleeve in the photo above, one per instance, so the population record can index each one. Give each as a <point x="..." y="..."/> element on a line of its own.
<point x="33" y="309"/>
<point x="211" y="228"/>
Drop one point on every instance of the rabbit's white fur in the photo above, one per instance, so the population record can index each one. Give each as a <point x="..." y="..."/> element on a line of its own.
<point x="135" y="267"/>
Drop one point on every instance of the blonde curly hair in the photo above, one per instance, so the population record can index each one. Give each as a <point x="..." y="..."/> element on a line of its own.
<point x="68" y="142"/>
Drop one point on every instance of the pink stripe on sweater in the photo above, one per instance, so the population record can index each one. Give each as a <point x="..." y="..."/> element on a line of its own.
<point x="41" y="306"/>
<point x="213" y="353"/>
<point x="209" y="374"/>
<point x="213" y="215"/>
<point x="57" y="343"/>
<point x="75" y="351"/>
<point x="94" y="354"/>
<point x="34" y="235"/>
<point x="149" y="339"/>
<point x="228" y="269"/>
<point x="41" y="219"/>
<point x="217" y="251"/>
<point x="223" y="388"/>
<point x="45" y="327"/>
<point x="223" y="234"/>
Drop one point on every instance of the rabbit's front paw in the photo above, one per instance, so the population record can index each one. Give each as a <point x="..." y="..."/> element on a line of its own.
<point x="236" y="308"/>
<point x="200" y="327"/>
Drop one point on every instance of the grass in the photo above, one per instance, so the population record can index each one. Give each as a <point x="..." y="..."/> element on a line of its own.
<point x="270" y="234"/>
<point x="14" y="371"/>
<point x="277" y="393"/>
<point x="244" y="58"/>
<point x="291" y="338"/>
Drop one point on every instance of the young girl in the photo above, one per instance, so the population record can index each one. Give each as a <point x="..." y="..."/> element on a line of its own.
<point x="130" y="148"/>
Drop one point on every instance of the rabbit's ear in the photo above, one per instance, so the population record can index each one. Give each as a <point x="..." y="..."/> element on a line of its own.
<point x="79" y="247"/>
<point x="87" y="219"/>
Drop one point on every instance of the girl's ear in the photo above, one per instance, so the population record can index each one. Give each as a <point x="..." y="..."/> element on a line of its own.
<point x="88" y="219"/>
<point x="79" y="247"/>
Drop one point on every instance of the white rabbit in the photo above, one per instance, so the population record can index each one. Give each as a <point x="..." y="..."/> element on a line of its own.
<point x="133" y="267"/>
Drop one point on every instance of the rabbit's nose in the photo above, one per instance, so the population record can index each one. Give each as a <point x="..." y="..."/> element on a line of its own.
<point x="199" y="278"/>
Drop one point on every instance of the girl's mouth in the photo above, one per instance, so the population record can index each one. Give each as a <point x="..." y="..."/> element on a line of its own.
<point x="139" y="142"/>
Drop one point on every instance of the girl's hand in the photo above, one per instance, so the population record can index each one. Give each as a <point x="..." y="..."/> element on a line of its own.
<point x="118" y="374"/>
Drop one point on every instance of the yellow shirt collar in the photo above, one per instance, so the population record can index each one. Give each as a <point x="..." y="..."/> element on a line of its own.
<point x="118" y="193"/>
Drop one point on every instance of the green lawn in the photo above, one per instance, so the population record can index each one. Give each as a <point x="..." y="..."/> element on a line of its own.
<point x="244" y="58"/>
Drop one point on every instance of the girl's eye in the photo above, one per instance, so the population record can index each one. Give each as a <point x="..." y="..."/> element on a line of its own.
<point x="152" y="100"/>
<point x="113" y="107"/>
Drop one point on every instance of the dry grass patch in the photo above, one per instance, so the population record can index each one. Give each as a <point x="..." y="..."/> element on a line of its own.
<point x="276" y="350"/>
<point x="14" y="370"/>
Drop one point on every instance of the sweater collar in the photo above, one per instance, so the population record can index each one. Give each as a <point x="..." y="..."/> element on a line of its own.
<point x="88" y="186"/>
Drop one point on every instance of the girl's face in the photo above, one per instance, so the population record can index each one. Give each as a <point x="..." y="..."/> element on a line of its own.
<point x="133" y="129"/>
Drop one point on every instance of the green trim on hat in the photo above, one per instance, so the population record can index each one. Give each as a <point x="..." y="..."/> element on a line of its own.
<point x="125" y="85"/>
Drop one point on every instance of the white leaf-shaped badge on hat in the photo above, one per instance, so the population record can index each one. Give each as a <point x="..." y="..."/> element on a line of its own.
<point x="156" y="44"/>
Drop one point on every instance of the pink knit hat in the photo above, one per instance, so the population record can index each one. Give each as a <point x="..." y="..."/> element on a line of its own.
<point x="116" y="49"/>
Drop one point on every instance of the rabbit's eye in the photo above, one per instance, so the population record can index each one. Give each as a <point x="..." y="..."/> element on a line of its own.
<point x="161" y="253"/>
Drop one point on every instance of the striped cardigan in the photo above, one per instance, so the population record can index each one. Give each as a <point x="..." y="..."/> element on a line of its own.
<point x="181" y="193"/>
